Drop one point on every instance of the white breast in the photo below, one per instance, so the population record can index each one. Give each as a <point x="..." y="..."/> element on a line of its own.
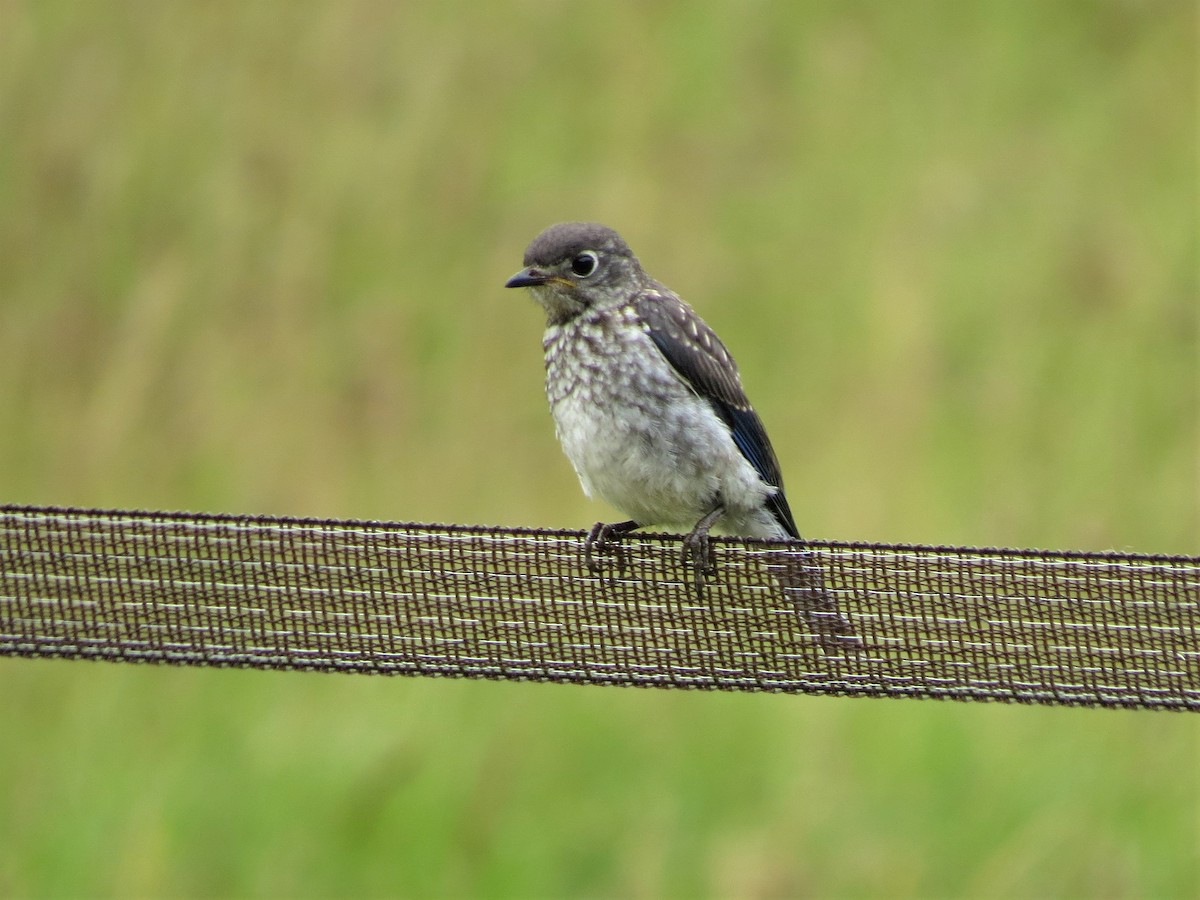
<point x="639" y="437"/>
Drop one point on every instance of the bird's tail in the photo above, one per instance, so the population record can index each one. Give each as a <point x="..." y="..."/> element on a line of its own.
<point x="803" y="584"/>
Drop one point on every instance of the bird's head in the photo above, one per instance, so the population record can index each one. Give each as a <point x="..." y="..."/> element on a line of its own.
<point x="576" y="266"/>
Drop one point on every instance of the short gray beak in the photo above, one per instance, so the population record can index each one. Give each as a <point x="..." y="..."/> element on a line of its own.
<point x="530" y="276"/>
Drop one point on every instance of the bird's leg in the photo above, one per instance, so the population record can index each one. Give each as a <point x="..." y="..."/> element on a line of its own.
<point x="697" y="549"/>
<point x="603" y="538"/>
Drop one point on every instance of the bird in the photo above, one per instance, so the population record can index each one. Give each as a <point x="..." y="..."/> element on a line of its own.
<point x="649" y="408"/>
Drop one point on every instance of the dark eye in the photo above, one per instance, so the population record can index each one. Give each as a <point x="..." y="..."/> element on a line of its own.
<point x="584" y="264"/>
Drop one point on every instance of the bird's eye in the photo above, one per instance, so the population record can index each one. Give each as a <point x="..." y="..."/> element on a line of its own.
<point x="584" y="264"/>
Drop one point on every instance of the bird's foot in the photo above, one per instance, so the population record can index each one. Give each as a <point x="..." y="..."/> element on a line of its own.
<point x="698" y="554"/>
<point x="697" y="547"/>
<point x="604" y="540"/>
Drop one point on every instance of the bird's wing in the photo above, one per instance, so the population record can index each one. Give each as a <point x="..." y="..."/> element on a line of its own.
<point x="701" y="360"/>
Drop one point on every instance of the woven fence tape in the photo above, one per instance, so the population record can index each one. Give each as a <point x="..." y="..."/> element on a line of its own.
<point x="1061" y="628"/>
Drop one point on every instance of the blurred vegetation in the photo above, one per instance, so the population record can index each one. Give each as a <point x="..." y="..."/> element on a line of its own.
<point x="250" y="261"/>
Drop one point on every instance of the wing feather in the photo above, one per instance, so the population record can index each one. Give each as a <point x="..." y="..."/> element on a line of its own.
<point x="696" y="353"/>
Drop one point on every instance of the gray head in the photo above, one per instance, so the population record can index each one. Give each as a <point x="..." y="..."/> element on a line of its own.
<point x="575" y="266"/>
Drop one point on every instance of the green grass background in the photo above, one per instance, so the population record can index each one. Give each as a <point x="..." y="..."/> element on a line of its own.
<point x="251" y="257"/>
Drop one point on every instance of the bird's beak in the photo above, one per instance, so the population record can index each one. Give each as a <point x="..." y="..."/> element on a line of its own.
<point x="530" y="276"/>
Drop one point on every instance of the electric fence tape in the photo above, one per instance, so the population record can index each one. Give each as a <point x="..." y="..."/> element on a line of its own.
<point x="1097" y="629"/>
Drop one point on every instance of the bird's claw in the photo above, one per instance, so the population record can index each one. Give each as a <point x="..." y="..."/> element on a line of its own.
<point x="697" y="552"/>
<point x="604" y="540"/>
<point x="697" y="548"/>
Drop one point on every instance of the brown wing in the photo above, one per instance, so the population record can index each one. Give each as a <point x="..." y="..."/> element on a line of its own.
<point x="701" y="360"/>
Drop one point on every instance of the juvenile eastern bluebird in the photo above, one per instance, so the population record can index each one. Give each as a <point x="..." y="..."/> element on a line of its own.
<point x="649" y="408"/>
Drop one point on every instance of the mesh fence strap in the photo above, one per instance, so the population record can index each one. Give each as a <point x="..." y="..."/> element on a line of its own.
<point x="969" y="624"/>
